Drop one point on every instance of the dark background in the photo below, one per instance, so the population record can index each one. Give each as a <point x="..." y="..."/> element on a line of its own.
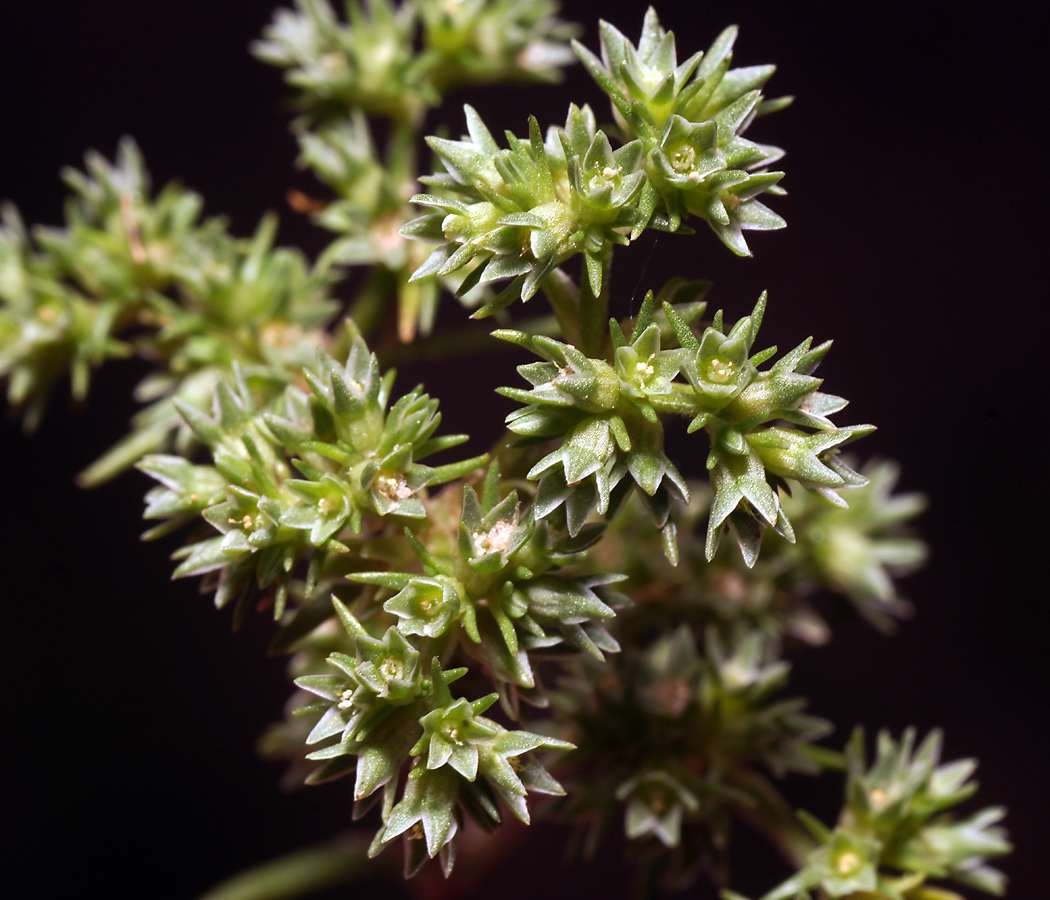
<point x="916" y="213"/>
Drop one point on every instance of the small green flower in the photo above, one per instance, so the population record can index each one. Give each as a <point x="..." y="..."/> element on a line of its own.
<point x="847" y="864"/>
<point x="719" y="368"/>
<point x="451" y="735"/>
<point x="426" y="606"/>
<point x="329" y="506"/>
<point x="383" y="673"/>
<point x="656" y="803"/>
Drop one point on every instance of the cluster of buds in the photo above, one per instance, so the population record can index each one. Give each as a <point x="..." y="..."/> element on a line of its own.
<point x="857" y="552"/>
<point x="689" y="119"/>
<point x="522" y="211"/>
<point x="749" y="458"/>
<point x="369" y="207"/>
<point x="394" y="63"/>
<point x="191" y="296"/>
<point x="606" y="418"/>
<point x="853" y="553"/>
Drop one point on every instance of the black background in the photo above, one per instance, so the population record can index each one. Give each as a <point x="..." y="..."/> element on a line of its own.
<point x="918" y="189"/>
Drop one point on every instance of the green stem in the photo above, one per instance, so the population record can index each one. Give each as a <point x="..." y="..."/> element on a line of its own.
<point x="564" y="297"/>
<point x="449" y="345"/>
<point x="594" y="312"/>
<point x="371" y="302"/>
<point x="682" y="401"/>
<point x="301" y="873"/>
<point x="401" y="155"/>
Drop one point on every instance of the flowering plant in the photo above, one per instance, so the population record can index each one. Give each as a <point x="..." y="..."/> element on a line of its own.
<point x="573" y="613"/>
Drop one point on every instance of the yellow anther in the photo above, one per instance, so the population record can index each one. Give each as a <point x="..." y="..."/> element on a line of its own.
<point x="846" y="863"/>
<point x="393" y="486"/>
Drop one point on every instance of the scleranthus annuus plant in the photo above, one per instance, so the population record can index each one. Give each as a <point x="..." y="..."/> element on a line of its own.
<point x="574" y="614"/>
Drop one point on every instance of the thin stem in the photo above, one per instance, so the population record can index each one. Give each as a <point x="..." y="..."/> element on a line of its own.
<point x="564" y="297"/>
<point x="302" y="873"/>
<point x="372" y="301"/>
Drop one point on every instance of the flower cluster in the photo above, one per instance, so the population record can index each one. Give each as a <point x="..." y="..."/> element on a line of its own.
<point x="537" y="584"/>
<point x="357" y="459"/>
<point x="607" y="422"/>
<point x="675" y="740"/>
<point x="386" y="710"/>
<point x="689" y="119"/>
<point x="853" y="553"/>
<point x="519" y="213"/>
<point x="192" y="299"/>
<point x="522" y="211"/>
<point x="606" y="418"/>
<point x="369" y="62"/>
<point x="894" y="833"/>
<point x="499" y="581"/>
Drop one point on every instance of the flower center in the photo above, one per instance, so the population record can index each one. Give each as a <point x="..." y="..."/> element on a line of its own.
<point x="683" y="159"/>
<point x="719" y="371"/>
<point x="496" y="539"/>
<point x="393" y="486"/>
<point x="847" y="863"/>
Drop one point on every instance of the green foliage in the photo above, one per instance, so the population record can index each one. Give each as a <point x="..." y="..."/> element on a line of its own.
<point x="580" y="582"/>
